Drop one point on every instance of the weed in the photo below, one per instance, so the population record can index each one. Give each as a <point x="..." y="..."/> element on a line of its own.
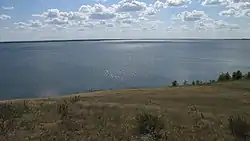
<point x="62" y="110"/>
<point x="148" y="124"/>
<point x="239" y="127"/>
<point x="74" y="99"/>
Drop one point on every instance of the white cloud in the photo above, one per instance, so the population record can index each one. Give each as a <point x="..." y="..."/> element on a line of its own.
<point x="122" y="16"/>
<point x="32" y="24"/>
<point x="98" y="11"/>
<point x="240" y="9"/>
<point x="131" y="6"/>
<point x="178" y="3"/>
<point x="57" y="21"/>
<point x="125" y="26"/>
<point x="76" y="16"/>
<point x="214" y="2"/>
<point x="8" y="7"/>
<point x="89" y="25"/>
<point x="201" y="25"/>
<point x="228" y="13"/>
<point x="245" y="13"/>
<point x="59" y="27"/>
<point x="225" y="25"/>
<point x="129" y="21"/>
<point x="185" y="28"/>
<point x="85" y="9"/>
<point x="21" y="25"/>
<point x="192" y="16"/>
<point x="5" y="17"/>
<point x="35" y="24"/>
<point x="56" y="14"/>
<point x="102" y="16"/>
<point x="102" y="22"/>
<point x="239" y="5"/>
<point x="150" y="11"/>
<point x="56" y="17"/>
<point x="134" y="16"/>
<point x="110" y="25"/>
<point x="143" y="19"/>
<point x="159" y="4"/>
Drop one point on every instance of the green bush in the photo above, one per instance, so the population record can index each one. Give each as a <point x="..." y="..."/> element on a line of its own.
<point x="237" y="75"/>
<point x="9" y="111"/>
<point x="62" y="110"/>
<point x="8" y="114"/>
<point x="239" y="127"/>
<point x="224" y="77"/>
<point x="174" y="83"/>
<point x="248" y="76"/>
<point x="197" y="82"/>
<point x="185" y="82"/>
<point x="148" y="124"/>
<point x="193" y="83"/>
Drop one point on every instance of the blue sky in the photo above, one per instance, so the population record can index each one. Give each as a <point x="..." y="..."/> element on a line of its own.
<point x="81" y="19"/>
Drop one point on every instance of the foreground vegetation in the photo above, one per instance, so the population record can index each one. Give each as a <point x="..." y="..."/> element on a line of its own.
<point x="215" y="112"/>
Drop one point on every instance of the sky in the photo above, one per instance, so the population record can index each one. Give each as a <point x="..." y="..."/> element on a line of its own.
<point x="91" y="19"/>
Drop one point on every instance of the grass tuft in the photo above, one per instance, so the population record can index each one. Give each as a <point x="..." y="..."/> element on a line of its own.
<point x="239" y="127"/>
<point x="150" y="125"/>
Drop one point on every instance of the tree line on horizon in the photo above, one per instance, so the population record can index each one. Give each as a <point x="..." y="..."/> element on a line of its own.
<point x="224" y="76"/>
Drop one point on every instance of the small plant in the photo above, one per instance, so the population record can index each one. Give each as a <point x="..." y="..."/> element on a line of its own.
<point x="148" y="124"/>
<point x="62" y="110"/>
<point x="174" y="83"/>
<point x="74" y="99"/>
<point x="239" y="127"/>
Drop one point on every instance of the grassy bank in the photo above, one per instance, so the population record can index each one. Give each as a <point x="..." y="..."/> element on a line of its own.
<point x="197" y="113"/>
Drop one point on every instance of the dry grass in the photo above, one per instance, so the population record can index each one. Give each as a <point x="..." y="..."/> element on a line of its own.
<point x="197" y="113"/>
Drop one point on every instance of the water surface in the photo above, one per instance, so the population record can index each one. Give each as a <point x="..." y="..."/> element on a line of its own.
<point x="57" y="68"/>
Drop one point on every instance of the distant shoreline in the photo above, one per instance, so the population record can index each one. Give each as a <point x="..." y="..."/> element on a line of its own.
<point x="96" y="40"/>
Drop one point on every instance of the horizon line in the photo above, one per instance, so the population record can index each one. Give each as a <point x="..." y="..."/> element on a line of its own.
<point x="118" y="39"/>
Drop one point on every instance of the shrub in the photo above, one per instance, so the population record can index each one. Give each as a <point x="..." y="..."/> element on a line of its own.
<point x="8" y="113"/>
<point x="185" y="82"/>
<point x="228" y="76"/>
<point x="239" y="127"/>
<point x="62" y="110"/>
<point x="224" y="77"/>
<point x="237" y="75"/>
<point x="193" y="83"/>
<point x="174" y="83"/>
<point x="148" y="124"/>
<point x="197" y="82"/>
<point x="212" y="81"/>
<point x="74" y="99"/>
<point x="247" y="76"/>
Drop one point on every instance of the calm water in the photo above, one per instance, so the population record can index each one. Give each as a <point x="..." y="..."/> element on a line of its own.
<point x="51" y="69"/>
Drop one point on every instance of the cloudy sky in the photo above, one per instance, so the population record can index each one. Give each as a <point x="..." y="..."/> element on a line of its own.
<point x="81" y="19"/>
